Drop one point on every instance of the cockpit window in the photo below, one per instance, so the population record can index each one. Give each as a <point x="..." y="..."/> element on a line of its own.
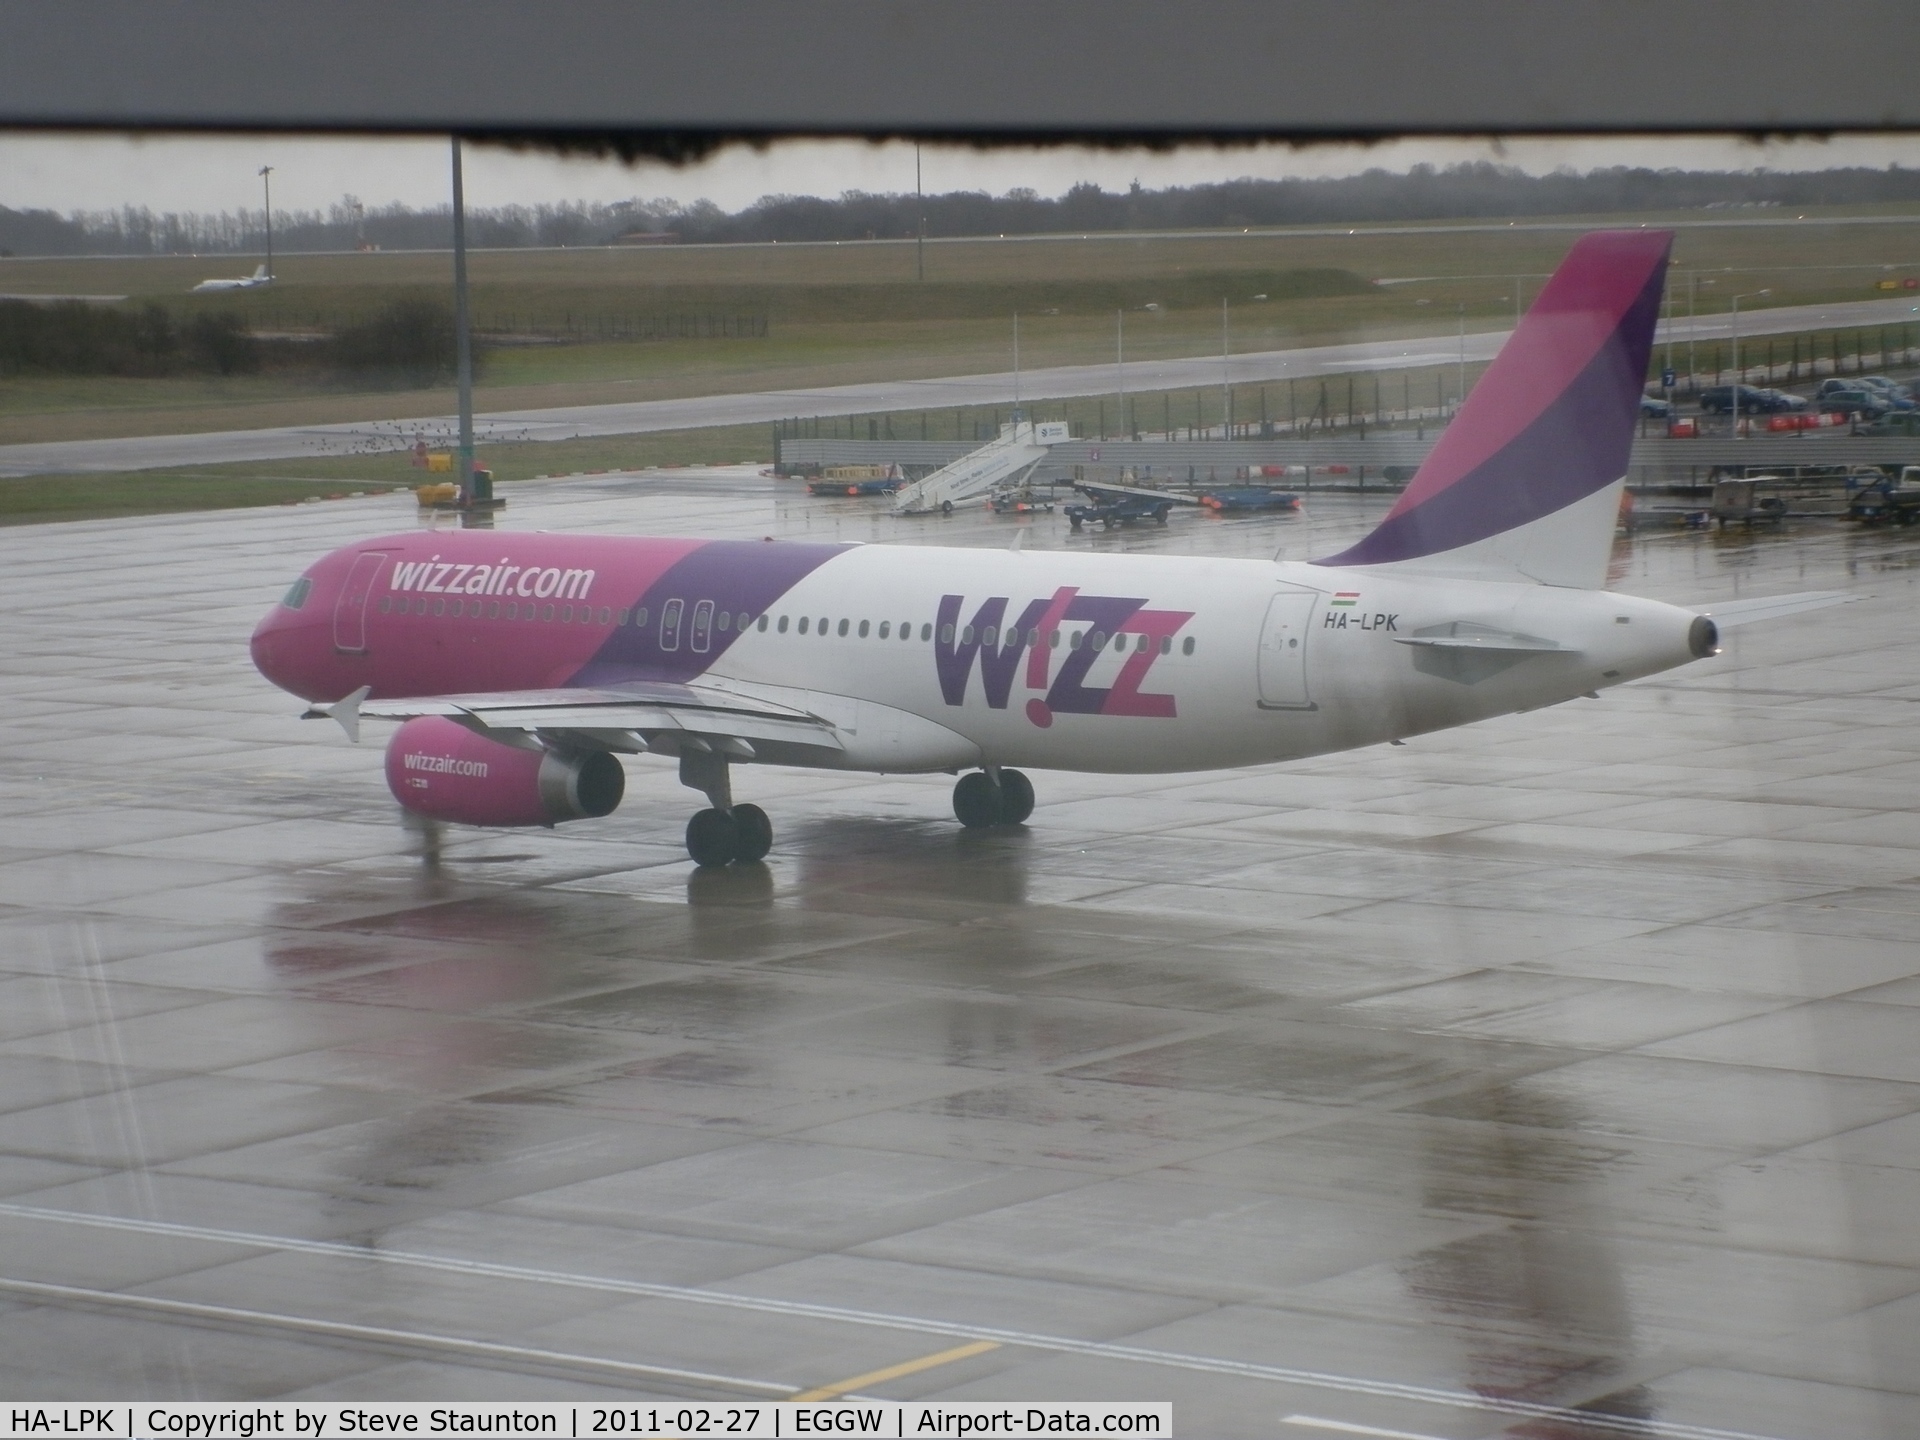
<point x="297" y="595"/>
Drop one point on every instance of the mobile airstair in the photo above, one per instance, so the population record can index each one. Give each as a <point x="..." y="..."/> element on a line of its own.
<point x="1020" y="446"/>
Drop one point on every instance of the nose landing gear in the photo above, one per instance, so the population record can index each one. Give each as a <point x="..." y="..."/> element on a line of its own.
<point x="992" y="797"/>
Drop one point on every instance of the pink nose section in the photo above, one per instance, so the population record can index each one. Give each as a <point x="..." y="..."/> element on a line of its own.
<point x="281" y="647"/>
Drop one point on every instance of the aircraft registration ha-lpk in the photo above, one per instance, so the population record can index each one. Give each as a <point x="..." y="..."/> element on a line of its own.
<point x="522" y="667"/>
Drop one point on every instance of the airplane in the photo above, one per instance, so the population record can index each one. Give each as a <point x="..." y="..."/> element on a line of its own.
<point x="248" y="282"/>
<point x="522" y="666"/>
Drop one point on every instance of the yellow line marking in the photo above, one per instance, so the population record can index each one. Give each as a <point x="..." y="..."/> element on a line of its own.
<point x="894" y="1372"/>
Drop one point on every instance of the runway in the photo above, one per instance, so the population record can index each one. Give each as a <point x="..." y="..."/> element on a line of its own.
<point x="150" y="452"/>
<point x="1558" y="1076"/>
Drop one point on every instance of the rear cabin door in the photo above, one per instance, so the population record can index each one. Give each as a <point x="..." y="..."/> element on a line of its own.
<point x="350" y="610"/>
<point x="1283" y="651"/>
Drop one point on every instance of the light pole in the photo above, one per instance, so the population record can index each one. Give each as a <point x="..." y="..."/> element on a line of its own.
<point x="1226" y="377"/>
<point x="1750" y="295"/>
<point x="1120" y="368"/>
<point x="1693" y="362"/>
<point x="266" y="184"/>
<point x="920" y="204"/>
<point x="462" y="335"/>
<point x="1463" y="359"/>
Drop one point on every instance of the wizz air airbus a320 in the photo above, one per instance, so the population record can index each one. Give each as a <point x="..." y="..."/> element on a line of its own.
<point x="524" y="665"/>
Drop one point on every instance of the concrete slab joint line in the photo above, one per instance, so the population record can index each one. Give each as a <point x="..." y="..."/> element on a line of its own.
<point x="995" y="1336"/>
<point x="379" y="1335"/>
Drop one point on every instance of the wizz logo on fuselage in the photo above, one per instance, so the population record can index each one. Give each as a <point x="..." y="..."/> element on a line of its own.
<point x="1113" y="622"/>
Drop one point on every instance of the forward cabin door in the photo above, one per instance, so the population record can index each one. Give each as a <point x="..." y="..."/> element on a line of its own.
<point x="350" y="610"/>
<point x="1283" y="651"/>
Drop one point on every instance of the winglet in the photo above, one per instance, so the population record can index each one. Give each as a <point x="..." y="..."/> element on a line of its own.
<point x="347" y="712"/>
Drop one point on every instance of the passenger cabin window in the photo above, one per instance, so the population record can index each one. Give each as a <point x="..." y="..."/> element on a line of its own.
<point x="885" y="625"/>
<point x="843" y="629"/>
<point x="863" y="629"/>
<point x="640" y="618"/>
<point x="670" y="625"/>
<point x="702" y="639"/>
<point x="297" y="593"/>
<point x="803" y="624"/>
<point x="1186" y="646"/>
<point x="761" y="625"/>
<point x="386" y="604"/>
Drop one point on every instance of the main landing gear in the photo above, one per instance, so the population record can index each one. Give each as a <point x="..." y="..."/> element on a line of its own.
<point x="727" y="834"/>
<point x="993" y="797"/>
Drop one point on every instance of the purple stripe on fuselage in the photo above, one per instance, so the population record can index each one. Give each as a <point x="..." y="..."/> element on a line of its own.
<point x="1578" y="445"/>
<point x="735" y="577"/>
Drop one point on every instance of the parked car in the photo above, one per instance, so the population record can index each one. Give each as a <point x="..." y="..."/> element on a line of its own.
<point x="1894" y="422"/>
<point x="1897" y="396"/>
<point x="1652" y="407"/>
<point x="1873" y="384"/>
<point x="1718" y="400"/>
<point x="1858" y="404"/>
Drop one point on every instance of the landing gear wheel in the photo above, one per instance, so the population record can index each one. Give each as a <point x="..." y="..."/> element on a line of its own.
<point x="753" y="834"/>
<point x="946" y="507"/>
<point x="976" y="803"/>
<point x="1016" y="798"/>
<point x="712" y="839"/>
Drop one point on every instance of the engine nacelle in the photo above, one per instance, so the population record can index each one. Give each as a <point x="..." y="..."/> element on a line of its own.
<point x="438" y="768"/>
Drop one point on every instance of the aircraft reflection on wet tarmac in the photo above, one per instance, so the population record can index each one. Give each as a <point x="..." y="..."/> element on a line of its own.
<point x="1553" y="1078"/>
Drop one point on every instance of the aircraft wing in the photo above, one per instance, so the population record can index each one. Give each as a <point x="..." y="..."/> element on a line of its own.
<point x="663" y="717"/>
<point x="1773" y="607"/>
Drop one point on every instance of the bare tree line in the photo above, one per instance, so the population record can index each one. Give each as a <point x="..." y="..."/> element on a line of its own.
<point x="1478" y="190"/>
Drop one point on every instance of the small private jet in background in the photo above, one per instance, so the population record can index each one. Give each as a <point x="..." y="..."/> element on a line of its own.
<point x="243" y="282"/>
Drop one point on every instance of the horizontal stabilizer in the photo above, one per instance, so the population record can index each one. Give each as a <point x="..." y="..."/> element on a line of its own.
<point x="1773" y="607"/>
<point x="1465" y="635"/>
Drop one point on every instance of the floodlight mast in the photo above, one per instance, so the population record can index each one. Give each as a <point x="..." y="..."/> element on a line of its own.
<point x="462" y="336"/>
<point x="266" y="185"/>
<point x="1749" y="295"/>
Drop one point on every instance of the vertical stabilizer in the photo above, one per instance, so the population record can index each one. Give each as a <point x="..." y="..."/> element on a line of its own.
<point x="1525" y="483"/>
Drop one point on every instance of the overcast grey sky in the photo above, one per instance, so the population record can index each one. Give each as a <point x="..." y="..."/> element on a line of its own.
<point x="168" y="172"/>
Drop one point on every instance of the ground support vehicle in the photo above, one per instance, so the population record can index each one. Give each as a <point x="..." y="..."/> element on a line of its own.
<point x="1888" y="501"/>
<point x="1018" y="502"/>
<point x="1108" y="509"/>
<point x="1249" y="497"/>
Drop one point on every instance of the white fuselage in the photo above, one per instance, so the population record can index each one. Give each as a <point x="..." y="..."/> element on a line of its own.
<point x="1245" y="662"/>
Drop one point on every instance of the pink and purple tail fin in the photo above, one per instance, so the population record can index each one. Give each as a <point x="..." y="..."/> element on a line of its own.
<point x="1524" y="483"/>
